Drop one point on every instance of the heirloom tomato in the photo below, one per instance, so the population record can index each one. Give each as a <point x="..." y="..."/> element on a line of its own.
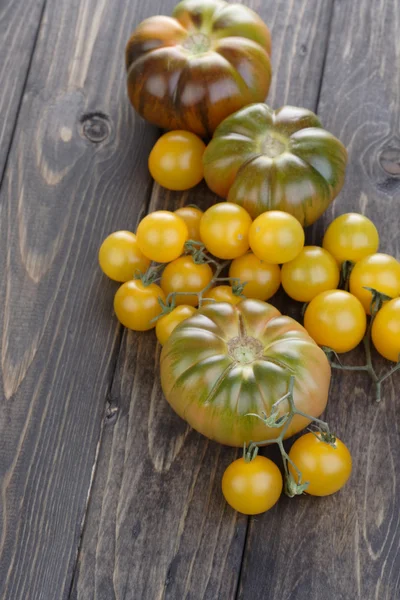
<point x="351" y="237"/>
<point x="184" y="275"/>
<point x="313" y="271"/>
<point x="262" y="279"/>
<point x="193" y="69"/>
<point x="161" y="236"/>
<point x="386" y="330"/>
<point x="120" y="256"/>
<point x="228" y="361"/>
<point x="380" y="272"/>
<point x="166" y="324"/>
<point x="136" y="304"/>
<point x="275" y="160"/>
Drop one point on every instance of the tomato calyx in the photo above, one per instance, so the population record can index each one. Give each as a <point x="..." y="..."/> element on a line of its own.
<point x="345" y="272"/>
<point x="151" y="275"/>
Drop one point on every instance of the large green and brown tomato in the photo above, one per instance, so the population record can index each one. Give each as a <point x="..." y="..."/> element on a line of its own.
<point x="266" y="159"/>
<point x="193" y="69"/>
<point x="228" y="361"/>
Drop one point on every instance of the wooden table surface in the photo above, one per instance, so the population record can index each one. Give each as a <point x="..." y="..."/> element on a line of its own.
<point x="105" y="493"/>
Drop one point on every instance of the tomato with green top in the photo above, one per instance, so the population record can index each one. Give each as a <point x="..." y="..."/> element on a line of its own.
<point x="262" y="279"/>
<point x="120" y="257"/>
<point x="137" y="304"/>
<point x="184" y="275"/>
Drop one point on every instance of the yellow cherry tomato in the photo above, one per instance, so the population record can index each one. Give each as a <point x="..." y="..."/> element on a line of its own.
<point x="262" y="279"/>
<point x="252" y="487"/>
<point x="224" y="230"/>
<point x="176" y="160"/>
<point x="136" y="304"/>
<point x="386" y="330"/>
<point x="276" y="237"/>
<point x="165" y="325"/>
<point x="326" y="469"/>
<point x="351" y="237"/>
<point x="378" y="271"/>
<point x="161" y="236"/>
<point x="184" y="275"/>
<point x="313" y="271"/>
<point x="221" y="293"/>
<point x="120" y="256"/>
<point x="192" y="216"/>
<point x="336" y="319"/>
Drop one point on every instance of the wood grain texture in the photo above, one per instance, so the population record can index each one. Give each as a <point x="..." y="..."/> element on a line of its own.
<point x="347" y="546"/>
<point x="157" y="526"/>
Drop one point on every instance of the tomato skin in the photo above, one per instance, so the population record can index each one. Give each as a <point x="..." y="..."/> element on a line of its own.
<point x="184" y="275"/>
<point x="136" y="305"/>
<point x="120" y="256"/>
<point x="165" y="325"/>
<point x="224" y="230"/>
<point x="351" y="237"/>
<point x="262" y="279"/>
<point x="276" y="237"/>
<point x="252" y="487"/>
<point x="161" y="236"/>
<point x="326" y="469"/>
<point x="386" y="330"/>
<point x="336" y="319"/>
<point x="192" y="216"/>
<point x="313" y="271"/>
<point x="176" y="160"/>
<point x="378" y="271"/>
<point x="221" y="293"/>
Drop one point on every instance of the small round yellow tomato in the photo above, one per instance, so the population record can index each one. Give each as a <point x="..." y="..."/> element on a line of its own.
<point x="336" y="319"/>
<point x="326" y="469"/>
<point x="184" y="275"/>
<point x="165" y="325"/>
<point x="192" y="216"/>
<point x="136" y="304"/>
<point x="224" y="230"/>
<point x="378" y="271"/>
<point x="161" y="236"/>
<point x="176" y="160"/>
<point x="252" y="487"/>
<point x="351" y="237"/>
<point x="386" y="330"/>
<point x="221" y="293"/>
<point x="120" y="257"/>
<point x="262" y="279"/>
<point x="313" y="271"/>
<point x="276" y="237"/>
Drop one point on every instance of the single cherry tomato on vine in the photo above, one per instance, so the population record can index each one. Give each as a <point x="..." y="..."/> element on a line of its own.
<point x="161" y="236"/>
<point x="224" y="230"/>
<point x="120" y="256"/>
<point x="276" y="237"/>
<point x="351" y="237"/>
<point x="336" y="319"/>
<point x="136" y="304"/>
<point x="262" y="279"/>
<point x="184" y="275"/>
<point x="378" y="271"/>
<point x="221" y="293"/>
<point x="252" y="487"/>
<point x="325" y="468"/>
<point x="192" y="216"/>
<point x="166" y="324"/>
<point x="313" y="271"/>
<point x="386" y="330"/>
<point x="176" y="160"/>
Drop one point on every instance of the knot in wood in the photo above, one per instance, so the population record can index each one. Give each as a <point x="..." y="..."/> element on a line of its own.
<point x="389" y="160"/>
<point x="96" y="127"/>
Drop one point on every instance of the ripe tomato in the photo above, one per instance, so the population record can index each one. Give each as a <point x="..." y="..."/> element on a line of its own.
<point x="161" y="236"/>
<point x="262" y="279"/>
<point x="136" y="304"/>
<point x="386" y="330"/>
<point x="192" y="216"/>
<point x="176" y="160"/>
<point x="184" y="275"/>
<point x="378" y="271"/>
<point x="351" y="237"/>
<point x="313" y="271"/>
<point x="252" y="487"/>
<point x="222" y="293"/>
<point x="336" y="319"/>
<point x="165" y="325"/>
<point x="224" y="230"/>
<point x="276" y="237"/>
<point x="325" y="468"/>
<point x="120" y="256"/>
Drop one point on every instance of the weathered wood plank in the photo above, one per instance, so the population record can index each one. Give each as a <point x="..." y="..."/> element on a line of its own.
<point x="77" y="170"/>
<point x="347" y="546"/>
<point x="157" y="525"/>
